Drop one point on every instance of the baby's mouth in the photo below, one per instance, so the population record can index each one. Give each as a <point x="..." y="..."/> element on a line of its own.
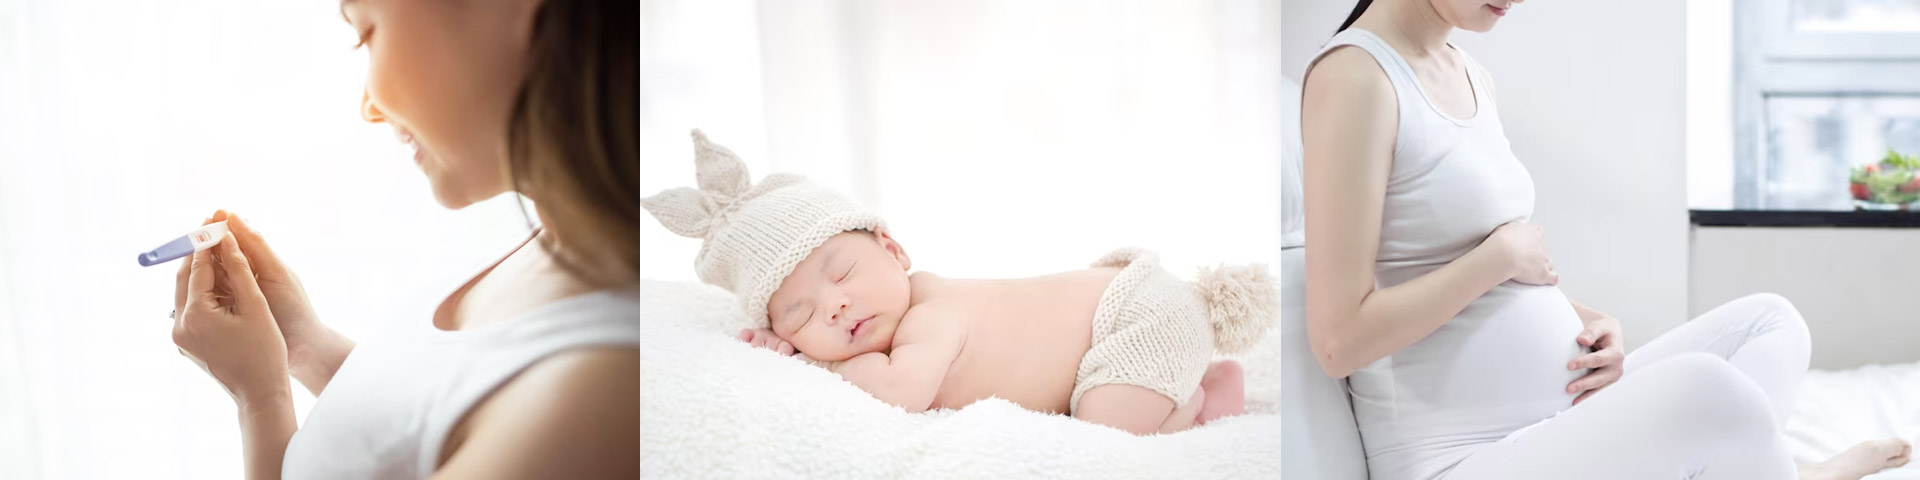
<point x="858" y="327"/>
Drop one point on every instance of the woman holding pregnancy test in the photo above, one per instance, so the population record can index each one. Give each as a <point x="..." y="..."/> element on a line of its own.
<point x="531" y="369"/>
<point x="1431" y="294"/>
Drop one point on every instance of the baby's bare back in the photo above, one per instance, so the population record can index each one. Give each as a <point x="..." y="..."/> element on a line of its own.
<point x="1024" y="338"/>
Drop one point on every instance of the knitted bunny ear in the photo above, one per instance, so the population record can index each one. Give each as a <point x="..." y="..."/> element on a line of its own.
<point x="718" y="170"/>
<point x="694" y="213"/>
<point x="685" y="211"/>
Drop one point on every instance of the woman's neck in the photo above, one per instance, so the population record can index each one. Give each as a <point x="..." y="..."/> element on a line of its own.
<point x="546" y="234"/>
<point x="1411" y="26"/>
<point x="558" y="252"/>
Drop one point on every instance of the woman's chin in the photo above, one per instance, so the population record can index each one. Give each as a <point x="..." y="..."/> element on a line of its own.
<point x="453" y="197"/>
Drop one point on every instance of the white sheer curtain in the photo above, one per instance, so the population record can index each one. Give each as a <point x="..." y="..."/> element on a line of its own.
<point x="122" y="124"/>
<point x="999" y="138"/>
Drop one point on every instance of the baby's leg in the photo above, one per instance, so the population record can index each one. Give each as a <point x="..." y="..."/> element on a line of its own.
<point x="1225" y="391"/>
<point x="1136" y="409"/>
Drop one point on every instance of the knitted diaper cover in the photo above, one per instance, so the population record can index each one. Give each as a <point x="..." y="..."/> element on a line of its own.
<point x="1156" y="331"/>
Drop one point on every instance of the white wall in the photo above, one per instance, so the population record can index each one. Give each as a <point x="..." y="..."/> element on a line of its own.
<point x="1593" y="98"/>
<point x="999" y="138"/>
<point x="1854" y="286"/>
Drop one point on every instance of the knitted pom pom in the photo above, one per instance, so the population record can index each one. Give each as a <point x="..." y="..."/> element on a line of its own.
<point x="1242" y="302"/>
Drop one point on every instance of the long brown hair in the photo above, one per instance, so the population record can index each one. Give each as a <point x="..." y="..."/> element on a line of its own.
<point x="573" y="137"/>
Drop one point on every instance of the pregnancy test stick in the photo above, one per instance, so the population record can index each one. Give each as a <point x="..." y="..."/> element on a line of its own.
<point x="199" y="239"/>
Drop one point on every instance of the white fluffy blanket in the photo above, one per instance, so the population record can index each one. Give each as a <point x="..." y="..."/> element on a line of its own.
<point x="713" y="407"/>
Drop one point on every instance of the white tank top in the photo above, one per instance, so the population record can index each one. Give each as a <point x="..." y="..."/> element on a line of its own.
<point x="387" y="411"/>
<point x="1500" y="365"/>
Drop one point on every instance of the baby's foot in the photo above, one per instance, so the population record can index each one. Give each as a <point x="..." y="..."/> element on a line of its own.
<point x="1865" y="458"/>
<point x="1226" y="391"/>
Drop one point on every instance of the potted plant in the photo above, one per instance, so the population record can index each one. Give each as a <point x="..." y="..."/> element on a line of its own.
<point x="1891" y="184"/>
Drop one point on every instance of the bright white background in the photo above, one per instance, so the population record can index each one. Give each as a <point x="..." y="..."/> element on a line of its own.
<point x="122" y="124"/>
<point x="998" y="138"/>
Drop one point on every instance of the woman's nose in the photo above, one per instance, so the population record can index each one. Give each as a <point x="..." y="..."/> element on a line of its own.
<point x="368" y="111"/>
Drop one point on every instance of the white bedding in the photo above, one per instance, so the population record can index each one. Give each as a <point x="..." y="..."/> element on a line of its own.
<point x="710" y="406"/>
<point x="1840" y="408"/>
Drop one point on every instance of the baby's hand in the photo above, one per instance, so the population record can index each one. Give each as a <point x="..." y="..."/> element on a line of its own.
<point x="764" y="338"/>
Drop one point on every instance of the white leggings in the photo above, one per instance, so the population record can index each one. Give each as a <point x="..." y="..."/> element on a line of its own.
<point x="1704" y="401"/>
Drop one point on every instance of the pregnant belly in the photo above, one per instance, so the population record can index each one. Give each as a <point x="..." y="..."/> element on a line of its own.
<point x="1498" y="366"/>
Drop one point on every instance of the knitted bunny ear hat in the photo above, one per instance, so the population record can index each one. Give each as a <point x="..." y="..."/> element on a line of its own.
<point x="754" y="234"/>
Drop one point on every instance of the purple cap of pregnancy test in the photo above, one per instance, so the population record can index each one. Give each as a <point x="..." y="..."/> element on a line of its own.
<point x="179" y="247"/>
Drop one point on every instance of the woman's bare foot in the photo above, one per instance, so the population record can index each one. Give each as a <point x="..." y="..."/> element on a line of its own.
<point x="1226" y="392"/>
<point x="1865" y="458"/>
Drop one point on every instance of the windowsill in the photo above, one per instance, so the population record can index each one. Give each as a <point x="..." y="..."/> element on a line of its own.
<point x="1804" y="218"/>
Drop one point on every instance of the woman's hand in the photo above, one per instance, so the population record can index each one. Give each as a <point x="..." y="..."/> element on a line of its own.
<point x="1607" y="357"/>
<point x="1526" y="245"/>
<point x="222" y="323"/>
<point x="314" y="352"/>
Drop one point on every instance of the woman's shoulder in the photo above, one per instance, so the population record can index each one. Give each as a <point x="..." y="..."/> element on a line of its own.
<point x="581" y="400"/>
<point x="1347" y="68"/>
<point x="1348" y="94"/>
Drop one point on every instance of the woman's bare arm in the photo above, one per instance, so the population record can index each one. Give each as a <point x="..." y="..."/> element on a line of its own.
<point x="1348" y="128"/>
<point x="266" y="425"/>
<point x="318" y="356"/>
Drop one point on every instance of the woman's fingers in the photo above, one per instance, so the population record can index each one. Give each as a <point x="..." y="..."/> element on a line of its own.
<point x="200" y="282"/>
<point x="255" y="246"/>
<point x="1596" y="359"/>
<point x="180" y="289"/>
<point x="248" y="300"/>
<point x="1583" y="396"/>
<point x="1594" y="381"/>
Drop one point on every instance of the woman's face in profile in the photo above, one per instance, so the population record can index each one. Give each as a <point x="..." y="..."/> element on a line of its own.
<point x="1473" y="15"/>
<point x="444" y="74"/>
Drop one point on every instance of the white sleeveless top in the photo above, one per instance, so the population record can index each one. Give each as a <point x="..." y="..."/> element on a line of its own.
<point x="1501" y="364"/>
<point x="389" y="408"/>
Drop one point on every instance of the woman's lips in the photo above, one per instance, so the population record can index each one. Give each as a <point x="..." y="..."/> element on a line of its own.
<point x="406" y="137"/>
<point x="1497" y="10"/>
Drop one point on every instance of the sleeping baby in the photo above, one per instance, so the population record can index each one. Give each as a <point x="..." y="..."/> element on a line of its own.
<point x="1123" y="343"/>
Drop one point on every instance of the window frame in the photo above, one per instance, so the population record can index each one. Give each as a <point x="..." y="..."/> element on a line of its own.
<point x="1772" y="59"/>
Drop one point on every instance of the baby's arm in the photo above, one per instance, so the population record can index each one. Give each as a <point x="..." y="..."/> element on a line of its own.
<point x="908" y="378"/>
<point x="911" y="375"/>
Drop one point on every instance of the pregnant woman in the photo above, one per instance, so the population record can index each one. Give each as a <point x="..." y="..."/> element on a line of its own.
<point x="1429" y="291"/>
<point x="530" y="369"/>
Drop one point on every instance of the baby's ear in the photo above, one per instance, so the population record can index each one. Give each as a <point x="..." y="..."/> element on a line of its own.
<point x="892" y="247"/>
